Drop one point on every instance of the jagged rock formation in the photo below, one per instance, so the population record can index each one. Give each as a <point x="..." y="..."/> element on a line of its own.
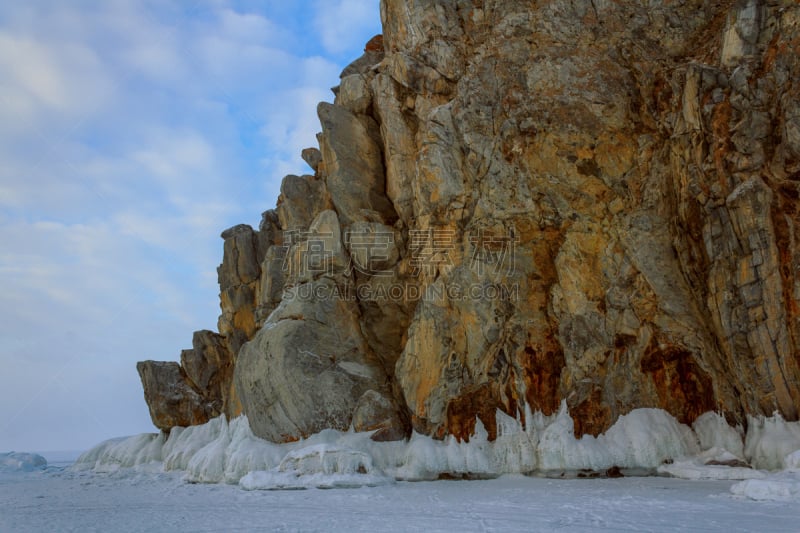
<point x="518" y="202"/>
<point x="171" y="398"/>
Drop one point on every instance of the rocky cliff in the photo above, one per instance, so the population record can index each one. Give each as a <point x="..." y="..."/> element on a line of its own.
<point x="524" y="202"/>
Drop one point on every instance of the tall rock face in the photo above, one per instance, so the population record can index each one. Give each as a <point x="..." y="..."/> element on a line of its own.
<point x="528" y="202"/>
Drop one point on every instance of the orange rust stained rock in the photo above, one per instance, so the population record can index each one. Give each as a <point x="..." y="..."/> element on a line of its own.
<point x="773" y="50"/>
<point x="375" y="44"/>
<point x="662" y="94"/>
<point x="482" y="403"/>
<point x="683" y="388"/>
<point x="720" y="123"/>
<point x="543" y="377"/>
<point x="591" y="416"/>
<point x="784" y="218"/>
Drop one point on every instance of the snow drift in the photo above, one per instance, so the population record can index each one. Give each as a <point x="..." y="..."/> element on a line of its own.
<point x="782" y="486"/>
<point x="322" y="466"/>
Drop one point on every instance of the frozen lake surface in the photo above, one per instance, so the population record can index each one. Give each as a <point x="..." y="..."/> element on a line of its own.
<point x="62" y="500"/>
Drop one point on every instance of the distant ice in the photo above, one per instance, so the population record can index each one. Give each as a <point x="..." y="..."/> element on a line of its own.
<point x="21" y="462"/>
<point x="60" y="458"/>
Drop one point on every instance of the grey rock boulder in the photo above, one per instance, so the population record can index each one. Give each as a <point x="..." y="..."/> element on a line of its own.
<point x="307" y="368"/>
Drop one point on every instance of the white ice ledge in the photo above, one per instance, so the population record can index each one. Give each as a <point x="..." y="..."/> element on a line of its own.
<point x="649" y="439"/>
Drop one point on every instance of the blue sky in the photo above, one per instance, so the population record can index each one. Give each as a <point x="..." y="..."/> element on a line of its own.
<point x="131" y="134"/>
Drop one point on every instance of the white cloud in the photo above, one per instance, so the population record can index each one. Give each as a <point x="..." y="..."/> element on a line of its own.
<point x="342" y="23"/>
<point x="156" y="60"/>
<point x="47" y="87"/>
<point x="250" y="28"/>
<point x="175" y="157"/>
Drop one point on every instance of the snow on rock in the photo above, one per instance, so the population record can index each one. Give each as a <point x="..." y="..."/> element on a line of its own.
<point x="185" y="443"/>
<point x="247" y="453"/>
<point x="648" y="437"/>
<point x="228" y="452"/>
<point x="124" y="452"/>
<point x="276" y="480"/>
<point x="691" y="469"/>
<point x="426" y="458"/>
<point x="215" y="452"/>
<point x="318" y="466"/>
<point x="514" y="449"/>
<point x="781" y="487"/>
<point x="512" y="452"/>
<point x="326" y="459"/>
<point x="714" y="432"/>
<point x="715" y="463"/>
<point x="644" y="438"/>
<point x="21" y="462"/>
<point x="559" y="449"/>
<point x="219" y="451"/>
<point x="770" y="440"/>
<point x="207" y="465"/>
<point x="233" y="452"/>
<point x="792" y="461"/>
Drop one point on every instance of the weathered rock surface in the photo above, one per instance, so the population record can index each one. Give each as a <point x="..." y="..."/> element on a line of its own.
<point x="302" y="197"/>
<point x="312" y="156"/>
<point x="519" y="202"/>
<point x="208" y="367"/>
<point x="308" y="366"/>
<point x="354" y="164"/>
<point x="638" y="166"/>
<point x="170" y="396"/>
<point x="238" y="276"/>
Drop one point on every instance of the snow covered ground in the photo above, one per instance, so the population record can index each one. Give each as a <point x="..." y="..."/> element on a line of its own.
<point x="60" y="500"/>
<point x="219" y="476"/>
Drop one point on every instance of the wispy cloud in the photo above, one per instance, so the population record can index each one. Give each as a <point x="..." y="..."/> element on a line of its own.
<point x="337" y="38"/>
